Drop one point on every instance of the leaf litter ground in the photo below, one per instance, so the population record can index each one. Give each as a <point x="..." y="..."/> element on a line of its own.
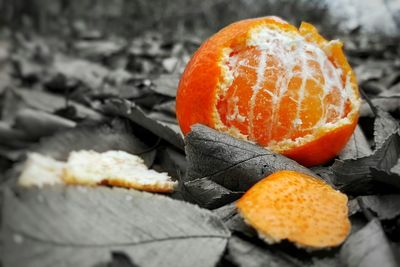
<point x="116" y="94"/>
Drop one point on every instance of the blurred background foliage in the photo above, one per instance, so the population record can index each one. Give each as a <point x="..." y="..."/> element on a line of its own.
<point x="133" y="17"/>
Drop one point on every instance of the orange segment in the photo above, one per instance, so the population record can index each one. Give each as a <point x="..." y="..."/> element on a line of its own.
<point x="265" y="81"/>
<point x="297" y="207"/>
<point x="232" y="105"/>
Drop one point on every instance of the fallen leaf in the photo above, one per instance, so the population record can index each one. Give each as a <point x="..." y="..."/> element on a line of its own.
<point x="245" y="254"/>
<point x="353" y="206"/>
<point x="11" y="102"/>
<point x="149" y="99"/>
<point x="368" y="247"/>
<point x="98" y="49"/>
<point x="386" y="207"/>
<point x="134" y="113"/>
<point x="89" y="74"/>
<point x="50" y="103"/>
<point x="356" y="147"/>
<point x="27" y="69"/>
<point x="390" y="177"/>
<point x="168" y="107"/>
<point x="370" y="70"/>
<point x="82" y="226"/>
<point x="232" y="163"/>
<point x="165" y="118"/>
<point x="352" y="175"/>
<point x="207" y="193"/>
<point x="325" y="173"/>
<point x="384" y="126"/>
<point x="373" y="87"/>
<point x="13" y="138"/>
<point x="12" y="154"/>
<point x="149" y="45"/>
<point x="391" y="81"/>
<point x="166" y="84"/>
<point x="388" y="104"/>
<point x="231" y="218"/>
<point x="170" y="64"/>
<point x="101" y="138"/>
<point x="172" y="160"/>
<point x="37" y="123"/>
<point x="119" y="77"/>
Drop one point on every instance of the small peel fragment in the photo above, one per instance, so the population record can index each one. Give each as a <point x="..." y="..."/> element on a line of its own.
<point x="90" y="168"/>
<point x="40" y="170"/>
<point x="116" y="168"/>
<point x="297" y="207"/>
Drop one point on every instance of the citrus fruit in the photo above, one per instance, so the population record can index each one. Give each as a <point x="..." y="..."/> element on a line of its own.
<point x="265" y="81"/>
<point x="297" y="207"/>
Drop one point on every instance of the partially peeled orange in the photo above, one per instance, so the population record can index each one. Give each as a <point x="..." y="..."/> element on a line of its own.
<point x="265" y="81"/>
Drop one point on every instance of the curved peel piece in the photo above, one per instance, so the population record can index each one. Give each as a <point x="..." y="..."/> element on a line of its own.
<point x="297" y="207"/>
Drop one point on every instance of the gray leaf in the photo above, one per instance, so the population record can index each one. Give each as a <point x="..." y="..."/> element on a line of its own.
<point x="208" y="193"/>
<point x="36" y="123"/>
<point x="386" y="207"/>
<point x="90" y="74"/>
<point x="368" y="247"/>
<point x="98" y="49"/>
<point x="166" y="84"/>
<point x="246" y="254"/>
<point x="357" y="147"/>
<point x="391" y="177"/>
<point x="388" y="104"/>
<point x="101" y="138"/>
<point x="231" y="218"/>
<point x="384" y="126"/>
<point x="47" y="102"/>
<point x="75" y="226"/>
<point x="235" y="164"/>
<point x="356" y="171"/>
<point x="132" y="112"/>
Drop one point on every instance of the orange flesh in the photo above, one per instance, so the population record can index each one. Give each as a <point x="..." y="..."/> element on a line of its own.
<point x="272" y="99"/>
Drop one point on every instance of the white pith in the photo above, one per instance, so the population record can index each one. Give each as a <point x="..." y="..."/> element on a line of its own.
<point x="294" y="51"/>
<point x="40" y="170"/>
<point x="90" y="167"/>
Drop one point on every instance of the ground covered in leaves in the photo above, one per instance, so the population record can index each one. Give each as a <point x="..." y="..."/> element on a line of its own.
<point x="91" y="92"/>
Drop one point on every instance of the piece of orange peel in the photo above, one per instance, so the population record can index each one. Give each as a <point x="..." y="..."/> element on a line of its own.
<point x="297" y="207"/>
<point x="115" y="168"/>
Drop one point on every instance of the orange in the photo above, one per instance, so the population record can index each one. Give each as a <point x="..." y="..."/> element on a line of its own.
<point x="297" y="207"/>
<point x="265" y="81"/>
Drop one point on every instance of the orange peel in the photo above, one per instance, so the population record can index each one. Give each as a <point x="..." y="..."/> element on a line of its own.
<point x="297" y="207"/>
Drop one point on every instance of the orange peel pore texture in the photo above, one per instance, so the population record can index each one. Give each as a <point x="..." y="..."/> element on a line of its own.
<point x="297" y="207"/>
